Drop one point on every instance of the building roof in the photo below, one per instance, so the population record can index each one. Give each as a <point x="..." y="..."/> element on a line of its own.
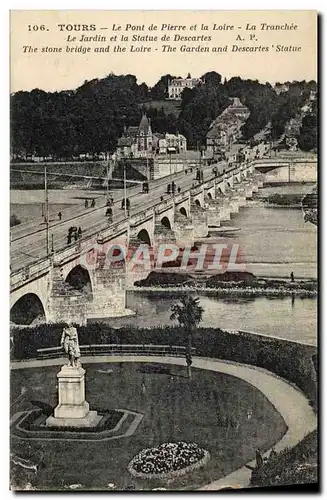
<point x="125" y="141"/>
<point x="132" y="131"/>
<point x="144" y="124"/>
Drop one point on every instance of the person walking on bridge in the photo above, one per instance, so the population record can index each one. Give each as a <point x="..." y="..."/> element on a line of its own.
<point x="86" y="204"/>
<point x="59" y="215"/>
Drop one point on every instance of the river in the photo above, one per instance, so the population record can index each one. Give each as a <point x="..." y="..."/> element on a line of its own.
<point x="291" y="318"/>
<point x="274" y="242"/>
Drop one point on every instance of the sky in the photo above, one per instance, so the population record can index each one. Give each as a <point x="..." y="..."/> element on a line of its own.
<point x="36" y="67"/>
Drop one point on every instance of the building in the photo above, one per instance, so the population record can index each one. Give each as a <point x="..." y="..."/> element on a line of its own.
<point x="160" y="144"/>
<point x="177" y="85"/>
<point x="137" y="141"/>
<point x="226" y="129"/>
<point x="280" y="88"/>
<point x="177" y="142"/>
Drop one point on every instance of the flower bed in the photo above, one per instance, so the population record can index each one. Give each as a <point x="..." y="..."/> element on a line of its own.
<point x="168" y="460"/>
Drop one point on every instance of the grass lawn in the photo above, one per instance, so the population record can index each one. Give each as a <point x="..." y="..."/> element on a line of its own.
<point x="221" y="413"/>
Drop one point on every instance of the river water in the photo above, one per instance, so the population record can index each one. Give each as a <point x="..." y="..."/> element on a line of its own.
<point x="274" y="242"/>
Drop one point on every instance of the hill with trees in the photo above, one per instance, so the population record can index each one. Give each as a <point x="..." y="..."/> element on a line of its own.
<point x="91" y="118"/>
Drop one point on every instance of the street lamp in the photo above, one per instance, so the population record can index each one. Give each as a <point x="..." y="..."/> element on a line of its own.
<point x="125" y="194"/>
<point x="46" y="216"/>
<point x="108" y="179"/>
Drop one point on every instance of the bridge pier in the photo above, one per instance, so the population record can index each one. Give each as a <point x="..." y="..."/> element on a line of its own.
<point x="66" y="304"/>
<point x="224" y="208"/>
<point x="241" y="193"/>
<point x="184" y="231"/>
<point x="234" y="203"/>
<point x="214" y="212"/>
<point x="109" y="293"/>
<point x="199" y="221"/>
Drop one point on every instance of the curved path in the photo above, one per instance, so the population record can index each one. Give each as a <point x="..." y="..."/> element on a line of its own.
<point x="289" y="401"/>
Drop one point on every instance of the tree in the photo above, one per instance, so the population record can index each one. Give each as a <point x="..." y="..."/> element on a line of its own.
<point x="307" y="139"/>
<point x="211" y="78"/>
<point x="159" y="90"/>
<point x="188" y="314"/>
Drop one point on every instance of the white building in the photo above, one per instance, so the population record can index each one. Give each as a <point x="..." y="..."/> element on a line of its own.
<point x="178" y="142"/>
<point x="177" y="85"/>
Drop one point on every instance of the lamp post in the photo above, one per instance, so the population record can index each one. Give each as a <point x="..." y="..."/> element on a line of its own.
<point x="108" y="180"/>
<point x="125" y="194"/>
<point x="46" y="216"/>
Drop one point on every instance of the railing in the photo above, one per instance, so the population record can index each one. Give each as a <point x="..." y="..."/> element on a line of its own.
<point x="36" y="268"/>
<point x="116" y="349"/>
<point x="118" y="227"/>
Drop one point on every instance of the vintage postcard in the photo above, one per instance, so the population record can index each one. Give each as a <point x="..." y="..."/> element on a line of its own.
<point x="163" y="237"/>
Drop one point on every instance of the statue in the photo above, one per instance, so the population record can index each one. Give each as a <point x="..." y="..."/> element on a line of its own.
<point x="69" y="341"/>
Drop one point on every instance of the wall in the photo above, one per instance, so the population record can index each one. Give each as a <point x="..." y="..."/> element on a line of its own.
<point x="162" y="167"/>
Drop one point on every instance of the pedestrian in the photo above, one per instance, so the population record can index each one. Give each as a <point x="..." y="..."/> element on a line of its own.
<point x="75" y="235"/>
<point x="59" y="215"/>
<point x="79" y="232"/>
<point x="292" y="277"/>
<point x="69" y="238"/>
<point x="161" y="198"/>
<point x="179" y="189"/>
<point x="86" y="204"/>
<point x="259" y="459"/>
<point x="93" y="203"/>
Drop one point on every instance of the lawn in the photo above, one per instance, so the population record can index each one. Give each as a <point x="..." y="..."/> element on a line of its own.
<point x="221" y="413"/>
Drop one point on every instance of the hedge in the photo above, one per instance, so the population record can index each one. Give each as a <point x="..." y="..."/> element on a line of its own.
<point x="289" y="360"/>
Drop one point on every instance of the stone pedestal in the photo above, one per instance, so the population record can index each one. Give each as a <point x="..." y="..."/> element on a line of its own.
<point x="72" y="410"/>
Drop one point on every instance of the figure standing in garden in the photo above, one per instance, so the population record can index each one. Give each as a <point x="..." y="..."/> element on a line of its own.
<point x="69" y="342"/>
<point x="292" y="277"/>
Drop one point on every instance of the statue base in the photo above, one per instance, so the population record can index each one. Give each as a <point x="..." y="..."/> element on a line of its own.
<point x="72" y="410"/>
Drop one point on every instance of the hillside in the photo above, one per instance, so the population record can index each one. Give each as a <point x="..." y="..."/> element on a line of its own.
<point x="169" y="107"/>
<point x="91" y="118"/>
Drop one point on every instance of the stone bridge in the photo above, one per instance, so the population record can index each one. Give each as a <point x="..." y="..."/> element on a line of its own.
<point x="75" y="284"/>
<point x="286" y="170"/>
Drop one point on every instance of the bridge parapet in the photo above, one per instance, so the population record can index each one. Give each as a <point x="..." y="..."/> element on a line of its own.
<point x="30" y="272"/>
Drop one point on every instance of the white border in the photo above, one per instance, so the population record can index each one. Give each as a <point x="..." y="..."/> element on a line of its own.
<point x="319" y="5"/>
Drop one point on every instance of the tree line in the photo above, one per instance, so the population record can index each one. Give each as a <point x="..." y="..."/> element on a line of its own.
<point x="91" y="118"/>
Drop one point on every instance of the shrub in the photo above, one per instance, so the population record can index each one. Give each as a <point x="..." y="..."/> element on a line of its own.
<point x="290" y="466"/>
<point x="289" y="360"/>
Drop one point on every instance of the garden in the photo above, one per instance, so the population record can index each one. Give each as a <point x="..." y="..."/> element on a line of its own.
<point x="213" y="416"/>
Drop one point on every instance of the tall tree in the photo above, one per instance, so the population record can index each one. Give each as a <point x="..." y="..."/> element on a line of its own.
<point x="188" y="313"/>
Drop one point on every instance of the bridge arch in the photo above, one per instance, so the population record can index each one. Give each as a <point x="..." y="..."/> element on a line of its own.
<point x="209" y="195"/>
<point x="197" y="202"/>
<point x="166" y="222"/>
<point x="80" y="279"/>
<point x="182" y="211"/>
<point x="27" y="309"/>
<point x="144" y="237"/>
